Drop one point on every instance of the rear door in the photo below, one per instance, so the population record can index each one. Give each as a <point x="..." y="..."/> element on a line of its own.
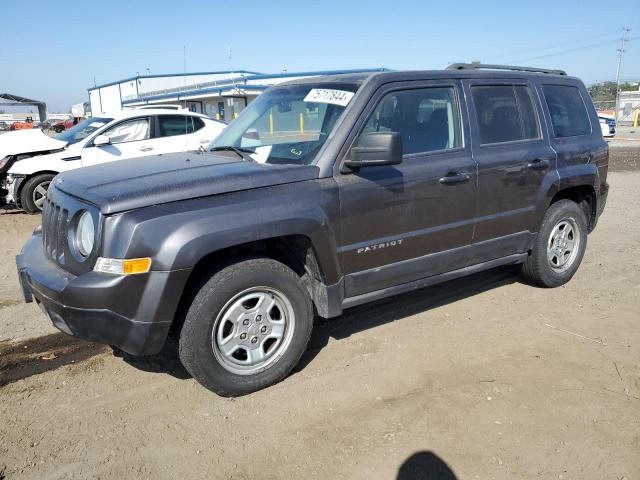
<point x="514" y="161"/>
<point x="182" y="133"/>
<point x="405" y="222"/>
<point x="130" y="138"/>
<point x="575" y="136"/>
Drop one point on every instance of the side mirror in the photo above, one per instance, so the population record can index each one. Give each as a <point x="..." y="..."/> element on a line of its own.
<point x="101" y="140"/>
<point x="375" y="149"/>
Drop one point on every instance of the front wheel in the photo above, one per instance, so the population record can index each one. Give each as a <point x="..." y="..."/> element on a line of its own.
<point x="34" y="192"/>
<point x="559" y="246"/>
<point x="247" y="327"/>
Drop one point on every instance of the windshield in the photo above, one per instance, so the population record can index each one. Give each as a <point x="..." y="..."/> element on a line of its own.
<point x="287" y="124"/>
<point x="82" y="129"/>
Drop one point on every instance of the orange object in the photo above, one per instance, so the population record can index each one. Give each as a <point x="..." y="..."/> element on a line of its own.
<point x="21" y="126"/>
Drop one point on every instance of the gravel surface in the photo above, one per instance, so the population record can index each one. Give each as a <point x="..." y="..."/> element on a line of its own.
<point x="483" y="377"/>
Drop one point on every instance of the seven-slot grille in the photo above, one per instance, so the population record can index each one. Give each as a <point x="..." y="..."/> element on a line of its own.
<point x="54" y="230"/>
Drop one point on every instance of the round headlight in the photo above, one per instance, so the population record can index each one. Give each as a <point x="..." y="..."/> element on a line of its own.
<point x="85" y="234"/>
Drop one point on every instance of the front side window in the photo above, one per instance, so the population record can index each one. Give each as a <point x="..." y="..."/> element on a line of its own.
<point x="83" y="129"/>
<point x="171" y="125"/>
<point x="288" y="124"/>
<point x="129" y="131"/>
<point x="568" y="113"/>
<point x="428" y="119"/>
<point x="505" y="113"/>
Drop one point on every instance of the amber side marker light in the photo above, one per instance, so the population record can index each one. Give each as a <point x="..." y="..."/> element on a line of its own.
<point x="126" y="266"/>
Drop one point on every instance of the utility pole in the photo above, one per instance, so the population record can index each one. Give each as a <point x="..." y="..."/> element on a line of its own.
<point x="623" y="40"/>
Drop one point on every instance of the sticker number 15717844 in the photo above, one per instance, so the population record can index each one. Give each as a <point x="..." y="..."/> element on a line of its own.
<point x="327" y="95"/>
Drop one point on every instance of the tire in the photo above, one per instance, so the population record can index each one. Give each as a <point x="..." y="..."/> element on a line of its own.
<point x="223" y="310"/>
<point x="34" y="191"/>
<point x="552" y="261"/>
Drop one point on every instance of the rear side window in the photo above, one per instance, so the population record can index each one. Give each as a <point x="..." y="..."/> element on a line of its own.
<point x="171" y="125"/>
<point x="505" y="113"/>
<point x="568" y="113"/>
<point x="198" y="123"/>
<point x="427" y="119"/>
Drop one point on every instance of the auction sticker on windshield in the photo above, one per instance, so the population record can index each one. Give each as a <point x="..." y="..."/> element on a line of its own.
<point x="327" y="95"/>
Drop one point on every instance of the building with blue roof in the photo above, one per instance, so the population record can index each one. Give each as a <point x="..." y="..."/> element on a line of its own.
<point x="221" y="95"/>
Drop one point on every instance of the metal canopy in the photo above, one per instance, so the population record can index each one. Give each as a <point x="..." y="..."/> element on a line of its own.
<point x="16" y="100"/>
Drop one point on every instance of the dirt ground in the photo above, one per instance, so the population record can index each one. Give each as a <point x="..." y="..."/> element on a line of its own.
<point x="483" y="377"/>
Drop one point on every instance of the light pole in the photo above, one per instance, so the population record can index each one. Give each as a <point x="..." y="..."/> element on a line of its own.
<point x="623" y="40"/>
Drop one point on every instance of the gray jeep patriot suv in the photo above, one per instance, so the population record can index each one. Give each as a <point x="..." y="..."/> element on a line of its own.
<point x="325" y="193"/>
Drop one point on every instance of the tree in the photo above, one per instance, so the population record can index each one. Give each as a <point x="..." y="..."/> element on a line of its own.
<point x="607" y="90"/>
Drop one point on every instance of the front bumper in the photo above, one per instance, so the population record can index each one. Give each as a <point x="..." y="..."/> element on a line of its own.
<point x="133" y="313"/>
<point x="9" y="185"/>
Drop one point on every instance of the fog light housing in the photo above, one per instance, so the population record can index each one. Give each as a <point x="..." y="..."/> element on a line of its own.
<point x="122" y="266"/>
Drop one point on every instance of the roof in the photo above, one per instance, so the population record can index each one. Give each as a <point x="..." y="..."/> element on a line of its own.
<point x="408" y="75"/>
<point x="353" y="78"/>
<point x="10" y="99"/>
<point x="135" y="112"/>
<point x="242" y="83"/>
<point x="163" y="75"/>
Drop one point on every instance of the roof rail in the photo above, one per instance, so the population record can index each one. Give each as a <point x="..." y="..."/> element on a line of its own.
<point x="478" y="66"/>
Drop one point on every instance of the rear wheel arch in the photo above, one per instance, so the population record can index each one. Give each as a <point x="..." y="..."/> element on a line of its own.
<point x="584" y="196"/>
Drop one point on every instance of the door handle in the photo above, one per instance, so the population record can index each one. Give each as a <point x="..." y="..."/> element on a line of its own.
<point x="538" y="164"/>
<point x="146" y="149"/>
<point x="455" y="178"/>
<point x="203" y="141"/>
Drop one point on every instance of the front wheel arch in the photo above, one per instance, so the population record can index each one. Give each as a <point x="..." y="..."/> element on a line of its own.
<point x="26" y="183"/>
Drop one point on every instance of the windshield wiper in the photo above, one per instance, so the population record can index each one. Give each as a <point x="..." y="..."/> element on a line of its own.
<point x="244" y="153"/>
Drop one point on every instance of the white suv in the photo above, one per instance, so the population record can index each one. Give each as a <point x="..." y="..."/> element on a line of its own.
<point x="29" y="159"/>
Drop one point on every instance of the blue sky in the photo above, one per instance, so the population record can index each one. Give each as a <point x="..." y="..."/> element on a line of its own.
<point x="52" y="51"/>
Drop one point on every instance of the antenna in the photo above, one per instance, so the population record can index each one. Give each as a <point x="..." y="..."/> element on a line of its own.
<point x="184" y="69"/>
<point x="230" y="57"/>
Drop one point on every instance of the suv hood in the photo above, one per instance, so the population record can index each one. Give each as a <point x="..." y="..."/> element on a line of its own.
<point x="129" y="184"/>
<point x="28" y="141"/>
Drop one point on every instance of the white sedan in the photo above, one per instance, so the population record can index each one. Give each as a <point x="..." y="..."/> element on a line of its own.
<point x="29" y="159"/>
<point x="607" y="124"/>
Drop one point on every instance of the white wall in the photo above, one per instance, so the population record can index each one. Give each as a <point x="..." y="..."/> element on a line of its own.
<point x="110" y="97"/>
<point x="128" y="89"/>
<point x="94" y="99"/>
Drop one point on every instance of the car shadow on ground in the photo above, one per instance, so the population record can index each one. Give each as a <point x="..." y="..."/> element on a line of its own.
<point x="353" y="321"/>
<point x="425" y="466"/>
<point x="166" y="361"/>
<point x="398" y="307"/>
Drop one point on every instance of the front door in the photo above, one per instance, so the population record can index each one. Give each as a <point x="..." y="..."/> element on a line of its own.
<point x="514" y="160"/>
<point x="129" y="139"/>
<point x="409" y="221"/>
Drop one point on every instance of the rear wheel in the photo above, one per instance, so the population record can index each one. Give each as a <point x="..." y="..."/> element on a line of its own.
<point x="559" y="246"/>
<point x="247" y="327"/>
<point x="34" y="192"/>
